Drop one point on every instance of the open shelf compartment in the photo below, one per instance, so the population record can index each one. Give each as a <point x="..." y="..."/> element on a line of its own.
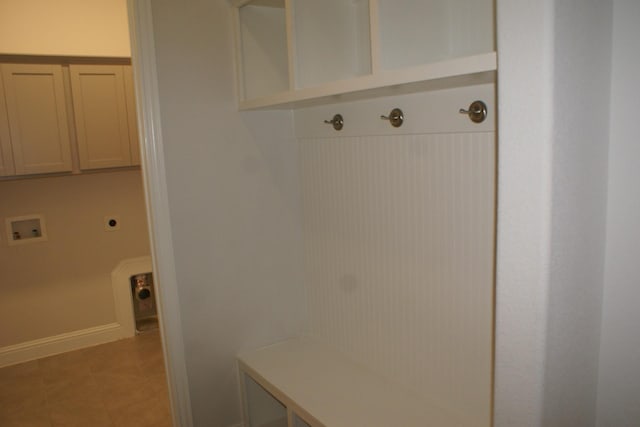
<point x="262" y="48"/>
<point x="332" y="40"/>
<point x="300" y="53"/>
<point x="417" y="32"/>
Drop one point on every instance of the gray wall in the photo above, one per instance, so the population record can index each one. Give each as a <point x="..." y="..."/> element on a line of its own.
<point x="235" y="209"/>
<point x="524" y="37"/>
<point x="553" y="137"/>
<point x="581" y="78"/>
<point x="619" y="386"/>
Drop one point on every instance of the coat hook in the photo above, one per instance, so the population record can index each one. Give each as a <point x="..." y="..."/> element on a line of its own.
<point x="395" y="117"/>
<point x="477" y="111"/>
<point x="337" y="122"/>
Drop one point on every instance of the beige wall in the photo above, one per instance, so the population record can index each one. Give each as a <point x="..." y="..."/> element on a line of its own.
<point x="64" y="27"/>
<point x="64" y="284"/>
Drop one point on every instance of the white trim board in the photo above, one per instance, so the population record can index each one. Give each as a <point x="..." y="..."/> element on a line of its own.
<point x="424" y="113"/>
<point x="157" y="201"/>
<point x="49" y="346"/>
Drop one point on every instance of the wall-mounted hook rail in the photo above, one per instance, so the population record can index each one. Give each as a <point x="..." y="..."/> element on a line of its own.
<point x="395" y="117"/>
<point x="337" y="121"/>
<point x="477" y="111"/>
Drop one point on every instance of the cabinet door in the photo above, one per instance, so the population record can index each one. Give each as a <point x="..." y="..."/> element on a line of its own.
<point x="6" y="156"/>
<point x="131" y="115"/>
<point x="39" y="133"/>
<point x="100" y="114"/>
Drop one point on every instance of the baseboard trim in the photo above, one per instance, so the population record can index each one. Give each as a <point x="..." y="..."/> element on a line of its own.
<point x="57" y="344"/>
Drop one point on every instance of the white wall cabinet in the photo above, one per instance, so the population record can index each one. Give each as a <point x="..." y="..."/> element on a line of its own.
<point x="297" y="53"/>
<point x="37" y="100"/>
<point x="101" y="116"/>
<point x="37" y="119"/>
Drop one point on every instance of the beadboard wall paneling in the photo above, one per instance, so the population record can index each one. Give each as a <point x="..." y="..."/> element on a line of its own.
<point x="399" y="256"/>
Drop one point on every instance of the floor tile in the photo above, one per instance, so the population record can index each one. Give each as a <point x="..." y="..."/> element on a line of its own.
<point x="72" y="388"/>
<point x="123" y="390"/>
<point x="26" y="418"/>
<point x="64" y="366"/>
<point x="119" y="360"/>
<point x="116" y="384"/>
<point x="19" y="371"/>
<point x="151" y="413"/>
<point x="21" y="393"/>
<point x="88" y="411"/>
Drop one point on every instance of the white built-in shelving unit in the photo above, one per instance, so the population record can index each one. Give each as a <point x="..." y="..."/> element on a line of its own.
<point x="298" y="53"/>
<point x="423" y="193"/>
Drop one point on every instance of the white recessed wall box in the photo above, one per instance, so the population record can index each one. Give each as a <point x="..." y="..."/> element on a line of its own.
<point x="26" y="229"/>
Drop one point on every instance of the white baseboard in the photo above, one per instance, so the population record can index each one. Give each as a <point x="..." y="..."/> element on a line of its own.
<point x="69" y="341"/>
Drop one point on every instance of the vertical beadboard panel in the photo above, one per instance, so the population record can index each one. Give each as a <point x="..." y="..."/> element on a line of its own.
<point x="399" y="255"/>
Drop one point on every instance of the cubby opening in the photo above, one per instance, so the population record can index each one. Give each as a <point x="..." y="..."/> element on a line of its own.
<point x="299" y="422"/>
<point x="262" y="409"/>
<point x="417" y="32"/>
<point x="332" y="40"/>
<point x="263" y="48"/>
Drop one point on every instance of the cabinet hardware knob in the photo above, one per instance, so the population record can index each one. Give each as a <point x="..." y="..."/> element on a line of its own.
<point x="337" y="121"/>
<point x="395" y="117"/>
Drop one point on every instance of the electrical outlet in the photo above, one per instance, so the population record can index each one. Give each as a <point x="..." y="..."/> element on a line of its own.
<point x="112" y="223"/>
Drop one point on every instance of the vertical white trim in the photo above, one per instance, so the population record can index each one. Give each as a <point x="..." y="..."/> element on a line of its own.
<point x="237" y="51"/>
<point x="523" y="240"/>
<point x="291" y="44"/>
<point x="156" y="194"/>
<point x="374" y="36"/>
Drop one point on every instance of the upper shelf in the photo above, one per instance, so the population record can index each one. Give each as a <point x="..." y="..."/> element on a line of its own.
<point x="294" y="53"/>
<point x="477" y="69"/>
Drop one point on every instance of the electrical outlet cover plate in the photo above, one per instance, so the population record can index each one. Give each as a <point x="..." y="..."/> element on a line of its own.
<point x="112" y="223"/>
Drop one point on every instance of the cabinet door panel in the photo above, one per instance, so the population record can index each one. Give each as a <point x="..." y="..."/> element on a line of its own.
<point x="37" y="115"/>
<point x="6" y="156"/>
<point x="132" y="115"/>
<point x="100" y="110"/>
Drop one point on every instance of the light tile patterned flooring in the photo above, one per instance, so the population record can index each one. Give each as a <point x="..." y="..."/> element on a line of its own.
<point x="119" y="384"/>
